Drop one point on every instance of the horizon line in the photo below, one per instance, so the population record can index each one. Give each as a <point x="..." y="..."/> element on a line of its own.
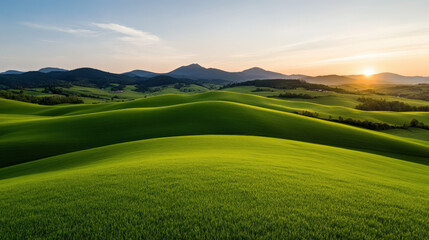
<point x="331" y="74"/>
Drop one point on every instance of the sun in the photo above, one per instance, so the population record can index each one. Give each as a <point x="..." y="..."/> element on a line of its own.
<point x="368" y="72"/>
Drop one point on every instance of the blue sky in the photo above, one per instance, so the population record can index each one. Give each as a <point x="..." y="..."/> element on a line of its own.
<point x="309" y="37"/>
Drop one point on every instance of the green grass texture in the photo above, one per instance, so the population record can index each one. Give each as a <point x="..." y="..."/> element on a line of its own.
<point x="215" y="165"/>
<point x="205" y="187"/>
<point x="94" y="126"/>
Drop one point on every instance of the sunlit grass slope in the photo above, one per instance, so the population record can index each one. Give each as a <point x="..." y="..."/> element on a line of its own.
<point x="399" y="118"/>
<point x="30" y="140"/>
<point x="326" y="98"/>
<point x="225" y="187"/>
<point x="415" y="134"/>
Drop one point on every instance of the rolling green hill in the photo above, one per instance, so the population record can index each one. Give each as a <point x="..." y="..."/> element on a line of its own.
<point x="12" y="107"/>
<point x="212" y="165"/>
<point x="30" y="140"/>
<point x="224" y="187"/>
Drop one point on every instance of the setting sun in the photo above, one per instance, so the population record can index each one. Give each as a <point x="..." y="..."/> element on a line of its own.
<point x="368" y="72"/>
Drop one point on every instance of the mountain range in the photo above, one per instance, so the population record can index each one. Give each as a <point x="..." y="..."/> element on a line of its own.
<point x="197" y="72"/>
<point x="80" y="76"/>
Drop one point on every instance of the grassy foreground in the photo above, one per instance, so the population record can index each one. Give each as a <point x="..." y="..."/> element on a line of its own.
<point x="225" y="187"/>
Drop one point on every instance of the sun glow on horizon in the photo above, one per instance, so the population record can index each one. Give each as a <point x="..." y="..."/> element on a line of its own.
<point x="368" y="72"/>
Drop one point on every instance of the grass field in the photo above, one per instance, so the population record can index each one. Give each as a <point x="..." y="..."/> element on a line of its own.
<point x="325" y="98"/>
<point x="106" y="95"/>
<point x="29" y="140"/>
<point x="215" y="187"/>
<point x="212" y="165"/>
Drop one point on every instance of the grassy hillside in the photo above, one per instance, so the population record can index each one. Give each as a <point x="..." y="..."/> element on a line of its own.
<point x="224" y="187"/>
<point x="29" y="140"/>
<point x="175" y="167"/>
<point x="329" y="97"/>
<point x="415" y="134"/>
<point x="293" y="105"/>
<point x="92" y="95"/>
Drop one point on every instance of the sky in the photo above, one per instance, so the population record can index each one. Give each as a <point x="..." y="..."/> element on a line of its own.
<point x="310" y="37"/>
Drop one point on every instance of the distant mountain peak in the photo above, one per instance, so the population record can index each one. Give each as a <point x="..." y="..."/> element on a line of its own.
<point x="12" y="72"/>
<point x="194" y="66"/>
<point x="196" y="71"/>
<point x="254" y="69"/>
<point x="140" y="73"/>
<point x="51" y="69"/>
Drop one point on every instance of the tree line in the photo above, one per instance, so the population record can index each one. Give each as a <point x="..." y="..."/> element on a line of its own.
<point x="367" y="124"/>
<point x="50" y="100"/>
<point x="286" y="84"/>
<point x="371" y="104"/>
<point x="67" y="93"/>
<point x="262" y="90"/>
<point x="295" y="95"/>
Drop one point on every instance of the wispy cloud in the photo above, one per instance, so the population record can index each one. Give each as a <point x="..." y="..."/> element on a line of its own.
<point x="398" y="40"/>
<point x="119" y="42"/>
<point x="57" y="29"/>
<point x="361" y="57"/>
<point x="373" y="56"/>
<point x="133" y="44"/>
<point x="129" y="34"/>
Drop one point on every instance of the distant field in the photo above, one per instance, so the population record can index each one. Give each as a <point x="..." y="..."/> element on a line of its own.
<point x="325" y="106"/>
<point x="129" y="92"/>
<point x="326" y="98"/>
<point x="37" y="92"/>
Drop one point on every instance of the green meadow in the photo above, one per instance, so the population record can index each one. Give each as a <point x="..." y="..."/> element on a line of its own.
<point x="231" y="164"/>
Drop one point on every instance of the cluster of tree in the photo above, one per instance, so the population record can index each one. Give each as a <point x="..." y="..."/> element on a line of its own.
<point x="417" y="124"/>
<point x="370" y="104"/>
<point x="147" y="89"/>
<point x="420" y="91"/>
<point x="188" y="90"/>
<point x="55" y="90"/>
<point x="67" y="93"/>
<point x="162" y="80"/>
<point x="287" y="84"/>
<point x="369" y="91"/>
<point x="263" y="90"/>
<point x="117" y="87"/>
<point x="295" y="95"/>
<point x="51" y="100"/>
<point x="309" y="114"/>
<point x="178" y="86"/>
<point x="365" y="123"/>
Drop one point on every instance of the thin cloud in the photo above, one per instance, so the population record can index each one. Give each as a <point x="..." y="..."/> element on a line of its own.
<point x="57" y="29"/>
<point x="390" y="41"/>
<point x="296" y="46"/>
<point x="374" y="55"/>
<point x="131" y="35"/>
<point x="360" y="57"/>
<point x="134" y="44"/>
